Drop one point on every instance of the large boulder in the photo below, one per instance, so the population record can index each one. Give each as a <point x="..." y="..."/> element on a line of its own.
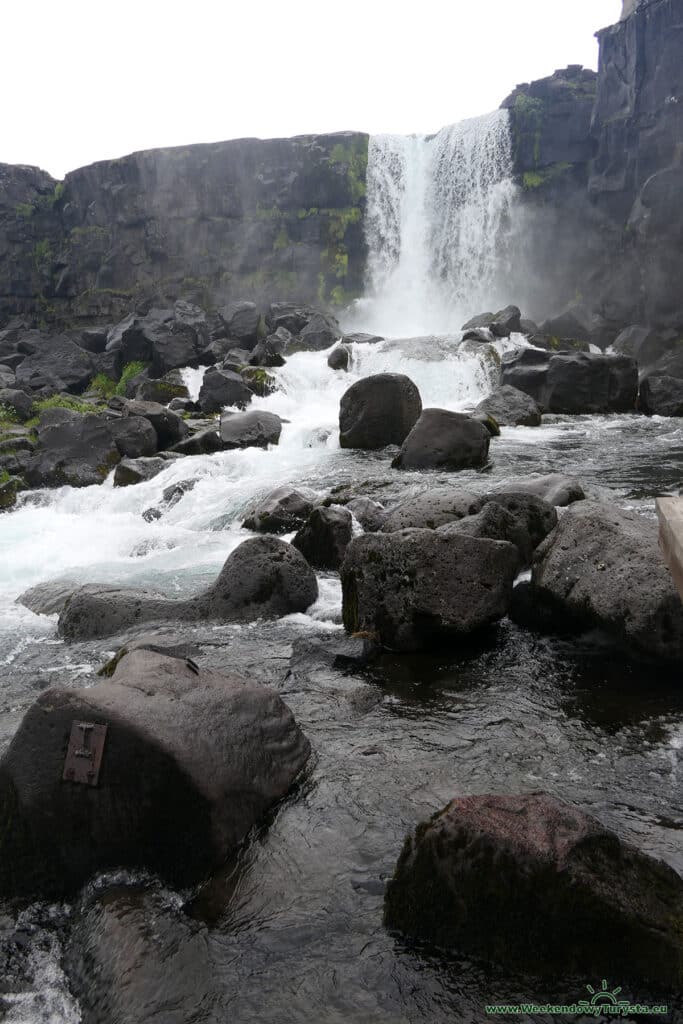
<point x="602" y="568"/>
<point x="661" y="396"/>
<point x="222" y="388"/>
<point x="73" y="449"/>
<point x="339" y="358"/>
<point x="511" y="407"/>
<point x="644" y="344"/>
<point x="324" y="538"/>
<point x="431" y="509"/>
<point x="263" y="578"/>
<point x="377" y="411"/>
<point x="255" y="429"/>
<point x="168" y="425"/>
<point x="192" y="760"/>
<point x="135" y="436"/>
<point x="297" y="318"/>
<point x="444" y="440"/>
<point x="166" y="338"/>
<point x="565" y="327"/>
<point x="241" y="321"/>
<point x="57" y="364"/>
<point x="501" y="324"/>
<point x="138" y="470"/>
<point x="271" y="351"/>
<point x="536" y="884"/>
<point x="573" y="382"/>
<point x="416" y="587"/>
<point x="319" y="334"/>
<point x="281" y="511"/>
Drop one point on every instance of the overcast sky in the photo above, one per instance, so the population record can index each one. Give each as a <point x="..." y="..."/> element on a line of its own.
<point x="85" y="80"/>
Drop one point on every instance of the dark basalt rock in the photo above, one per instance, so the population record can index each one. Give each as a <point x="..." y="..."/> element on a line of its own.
<point x="281" y="511"/>
<point x="250" y="429"/>
<point x="602" y="568"/>
<point x="661" y="396"/>
<point x="74" y="449"/>
<point x="137" y="470"/>
<point x="135" y="436"/>
<point x="431" y="509"/>
<point x="521" y="519"/>
<point x="590" y="904"/>
<point x="339" y="358"/>
<point x="416" y="587"/>
<point x="554" y="488"/>
<point x="17" y="401"/>
<point x="444" y="440"/>
<point x="324" y="538"/>
<point x="511" y="407"/>
<point x="241" y="321"/>
<point x="164" y="802"/>
<point x="573" y="383"/>
<point x="378" y="410"/>
<point x="263" y="578"/>
<point x="168" y="425"/>
<point x="57" y="364"/>
<point x="163" y="390"/>
<point x="566" y="327"/>
<point x="222" y="388"/>
<point x="644" y="344"/>
<point x="271" y="351"/>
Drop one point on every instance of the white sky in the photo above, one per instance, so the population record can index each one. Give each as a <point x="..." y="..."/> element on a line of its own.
<point x="85" y="80"/>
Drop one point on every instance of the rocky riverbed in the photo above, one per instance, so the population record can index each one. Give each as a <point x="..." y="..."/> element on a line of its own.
<point x="403" y="710"/>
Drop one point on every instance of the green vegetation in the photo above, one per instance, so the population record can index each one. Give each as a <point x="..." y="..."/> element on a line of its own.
<point x="130" y="370"/>
<point x="8" y="416"/>
<point x="545" y="176"/>
<point x="4" y="477"/>
<point x="527" y="125"/>
<point x="70" y="402"/>
<point x="355" y="156"/>
<point x="24" y="210"/>
<point x="282" y="240"/>
<point x="103" y="385"/>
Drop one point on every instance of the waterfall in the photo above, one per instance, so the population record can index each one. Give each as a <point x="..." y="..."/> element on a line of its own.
<point x="438" y="211"/>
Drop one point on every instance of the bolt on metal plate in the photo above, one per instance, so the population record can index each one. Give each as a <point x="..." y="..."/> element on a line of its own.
<point x="84" y="754"/>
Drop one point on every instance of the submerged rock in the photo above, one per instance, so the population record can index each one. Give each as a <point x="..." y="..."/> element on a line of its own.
<point x="416" y="587"/>
<point x="444" y="440"/>
<point x="378" y="410"/>
<point x="602" y="568"/>
<point x="534" y="883"/>
<point x="263" y="578"/>
<point x="192" y="760"/>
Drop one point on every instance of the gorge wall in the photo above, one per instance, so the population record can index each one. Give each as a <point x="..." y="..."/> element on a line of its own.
<point x="597" y="225"/>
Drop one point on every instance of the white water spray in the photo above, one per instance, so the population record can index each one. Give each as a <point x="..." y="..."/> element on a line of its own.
<point x="436" y="225"/>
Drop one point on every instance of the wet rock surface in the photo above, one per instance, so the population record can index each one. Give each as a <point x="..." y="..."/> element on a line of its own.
<point x="378" y="410"/>
<point x="444" y="440"/>
<point x="469" y="877"/>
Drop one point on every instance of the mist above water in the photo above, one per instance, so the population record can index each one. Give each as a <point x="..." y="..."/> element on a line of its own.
<point x="437" y="226"/>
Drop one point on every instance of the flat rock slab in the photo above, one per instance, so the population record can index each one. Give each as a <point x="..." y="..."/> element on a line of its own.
<point x="192" y="760"/>
<point x="535" y="883"/>
<point x="670" y="513"/>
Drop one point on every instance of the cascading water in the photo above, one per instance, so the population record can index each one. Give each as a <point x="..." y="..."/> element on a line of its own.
<point x="438" y="210"/>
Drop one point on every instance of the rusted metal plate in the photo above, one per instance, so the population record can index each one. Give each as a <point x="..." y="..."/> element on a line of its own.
<point x="84" y="754"/>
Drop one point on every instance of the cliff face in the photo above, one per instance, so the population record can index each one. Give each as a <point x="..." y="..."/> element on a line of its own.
<point x="598" y="159"/>
<point x="248" y="219"/>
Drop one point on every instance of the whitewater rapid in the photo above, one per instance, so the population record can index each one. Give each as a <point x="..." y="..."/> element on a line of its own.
<point x="98" y="534"/>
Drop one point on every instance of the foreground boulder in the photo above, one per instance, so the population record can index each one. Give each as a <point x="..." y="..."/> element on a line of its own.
<point x="168" y="425"/>
<point x="602" y="568"/>
<point x="416" y="587"/>
<point x="255" y="429"/>
<point x="511" y="408"/>
<point x="263" y="578"/>
<point x="192" y="760"/>
<point x="223" y="387"/>
<point x="281" y="511"/>
<point x="377" y="411"/>
<point x="324" y="538"/>
<point x="444" y="440"/>
<point x="136" y="471"/>
<point x="431" y="509"/>
<point x="589" y="903"/>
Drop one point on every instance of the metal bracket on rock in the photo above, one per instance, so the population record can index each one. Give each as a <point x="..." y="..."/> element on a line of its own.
<point x="84" y="754"/>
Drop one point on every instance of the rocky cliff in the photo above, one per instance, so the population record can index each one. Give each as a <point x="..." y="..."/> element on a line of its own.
<point x="249" y="218"/>
<point x="598" y="161"/>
